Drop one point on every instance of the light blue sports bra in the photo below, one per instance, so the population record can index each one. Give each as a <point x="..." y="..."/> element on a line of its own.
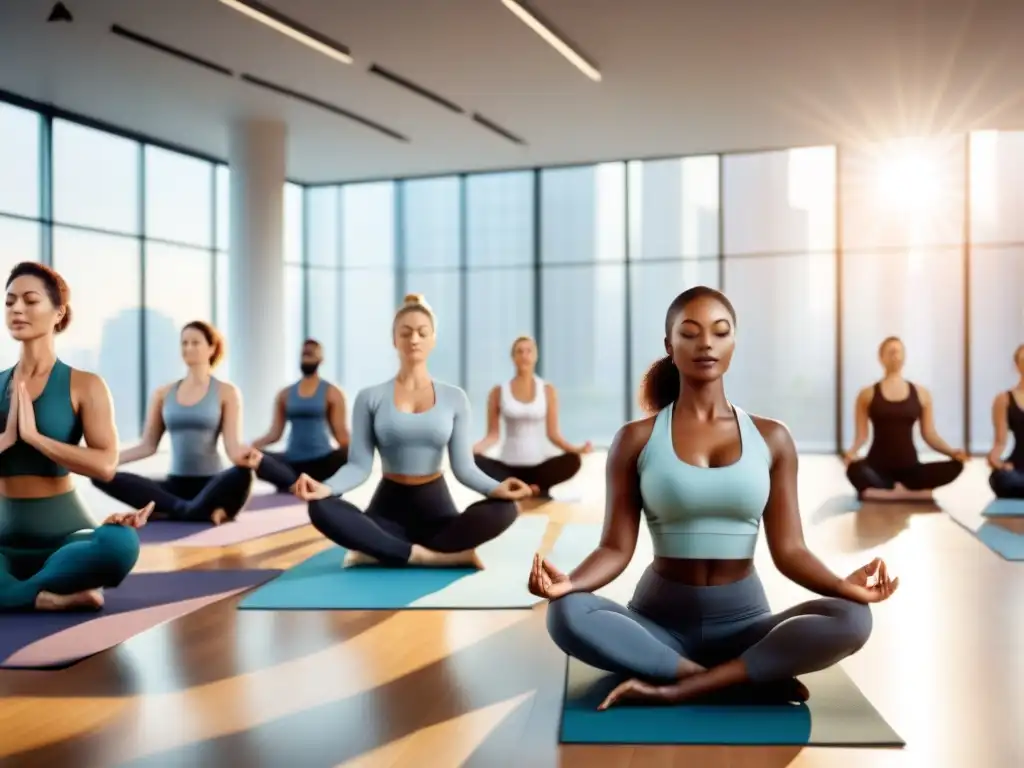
<point x="704" y="513"/>
<point x="411" y="443"/>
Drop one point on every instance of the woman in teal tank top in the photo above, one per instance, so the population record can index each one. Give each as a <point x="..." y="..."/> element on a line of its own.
<point x="195" y="412"/>
<point x="52" y="555"/>
<point x="704" y="473"/>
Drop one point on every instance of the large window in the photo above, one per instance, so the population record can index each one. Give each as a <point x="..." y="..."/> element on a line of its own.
<point x="105" y="280"/>
<point x="432" y="232"/>
<point x="19" y="241"/>
<point x="367" y="298"/>
<point x="499" y="278"/>
<point x="779" y="225"/>
<point x="95" y="179"/>
<point x="179" y="198"/>
<point x="19" y="161"/>
<point x="178" y="291"/>
<point x="997" y="273"/>
<point x="903" y="270"/>
<point x="582" y="297"/>
<point x="673" y="245"/>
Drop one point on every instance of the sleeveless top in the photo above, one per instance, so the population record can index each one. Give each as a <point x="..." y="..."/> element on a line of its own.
<point x="411" y="443"/>
<point x="526" y="434"/>
<point x="704" y="513"/>
<point x="194" y="430"/>
<point x="1015" y="421"/>
<point x="309" y="436"/>
<point x="892" y="430"/>
<point x="55" y="418"/>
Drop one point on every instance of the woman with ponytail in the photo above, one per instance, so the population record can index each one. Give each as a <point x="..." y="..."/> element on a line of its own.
<point x="411" y="420"/>
<point x="705" y="474"/>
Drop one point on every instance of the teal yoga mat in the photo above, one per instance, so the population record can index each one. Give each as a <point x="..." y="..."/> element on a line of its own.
<point x="1004" y="508"/>
<point x="320" y="583"/>
<point x="837" y="714"/>
<point x="988" y="528"/>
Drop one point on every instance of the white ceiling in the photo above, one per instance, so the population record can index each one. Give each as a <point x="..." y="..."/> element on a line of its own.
<point x="680" y="76"/>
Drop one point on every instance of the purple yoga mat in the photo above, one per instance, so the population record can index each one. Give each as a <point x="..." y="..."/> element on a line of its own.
<point x="52" y="640"/>
<point x="263" y="515"/>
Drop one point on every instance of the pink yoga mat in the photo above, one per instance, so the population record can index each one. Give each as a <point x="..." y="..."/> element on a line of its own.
<point x="262" y="516"/>
<point x="45" y="640"/>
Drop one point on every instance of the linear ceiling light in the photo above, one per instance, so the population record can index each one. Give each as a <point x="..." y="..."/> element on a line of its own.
<point x="274" y="20"/>
<point x="547" y="33"/>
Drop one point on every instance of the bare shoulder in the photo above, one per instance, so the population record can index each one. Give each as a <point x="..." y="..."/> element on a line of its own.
<point x="922" y="393"/>
<point x="1002" y="400"/>
<point x="630" y="440"/>
<point x="88" y="384"/>
<point x="228" y="392"/>
<point x="775" y="433"/>
<point x="334" y="392"/>
<point x="866" y="393"/>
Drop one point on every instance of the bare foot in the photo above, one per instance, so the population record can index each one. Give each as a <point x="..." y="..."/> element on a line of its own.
<point x="218" y="517"/>
<point x="429" y="558"/>
<point x="353" y="558"/>
<point x="90" y="600"/>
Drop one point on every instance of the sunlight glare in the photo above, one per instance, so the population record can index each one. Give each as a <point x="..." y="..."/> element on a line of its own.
<point x="909" y="180"/>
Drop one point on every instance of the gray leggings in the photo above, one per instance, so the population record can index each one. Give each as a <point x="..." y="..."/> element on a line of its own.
<point x="667" y="620"/>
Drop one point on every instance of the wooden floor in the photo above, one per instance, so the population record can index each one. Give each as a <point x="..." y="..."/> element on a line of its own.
<point x="222" y="687"/>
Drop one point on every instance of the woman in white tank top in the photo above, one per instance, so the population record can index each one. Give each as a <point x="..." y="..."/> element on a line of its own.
<point x="528" y="407"/>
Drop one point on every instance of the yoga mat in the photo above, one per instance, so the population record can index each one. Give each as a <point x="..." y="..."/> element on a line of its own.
<point x="837" y="714"/>
<point x="1004" y="508"/>
<point x="263" y="516"/>
<point x="1005" y="543"/>
<point x="320" y="583"/>
<point x="52" y="640"/>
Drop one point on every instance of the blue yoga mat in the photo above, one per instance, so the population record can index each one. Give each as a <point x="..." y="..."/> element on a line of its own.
<point x="1004" y="508"/>
<point x="837" y="714"/>
<point x="320" y="583"/>
<point x="1005" y="543"/>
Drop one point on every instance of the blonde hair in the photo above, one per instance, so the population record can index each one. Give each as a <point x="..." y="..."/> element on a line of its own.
<point x="530" y="339"/>
<point x="415" y="302"/>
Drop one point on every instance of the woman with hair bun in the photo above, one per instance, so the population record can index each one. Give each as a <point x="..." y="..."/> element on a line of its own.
<point x="52" y="557"/>
<point x="195" y="411"/>
<point x="411" y="420"/>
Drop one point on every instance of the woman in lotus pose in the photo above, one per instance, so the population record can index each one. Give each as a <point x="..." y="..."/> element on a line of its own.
<point x="891" y="470"/>
<point x="704" y="473"/>
<point x="529" y="408"/>
<point x="315" y="410"/>
<point x="411" y="419"/>
<point x="51" y="555"/>
<point x="1007" y="478"/>
<point x="194" y="411"/>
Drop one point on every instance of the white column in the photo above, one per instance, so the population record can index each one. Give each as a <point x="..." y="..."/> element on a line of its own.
<point x="256" y="281"/>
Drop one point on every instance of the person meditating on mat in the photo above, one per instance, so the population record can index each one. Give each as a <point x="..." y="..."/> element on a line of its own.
<point x="891" y="470"/>
<point x="52" y="557"/>
<point x="410" y="419"/>
<point x="1007" y="478"/>
<point x="194" y="411"/>
<point x="529" y="408"/>
<point x="315" y="411"/>
<point x="704" y="473"/>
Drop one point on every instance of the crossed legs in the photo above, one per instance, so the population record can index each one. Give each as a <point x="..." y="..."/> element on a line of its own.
<point x="412" y="524"/>
<point x="770" y="648"/>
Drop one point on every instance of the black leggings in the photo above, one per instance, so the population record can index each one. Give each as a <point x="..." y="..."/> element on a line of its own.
<point x="919" y="477"/>
<point x="548" y="473"/>
<point x="282" y="472"/>
<point x="183" y="497"/>
<point x="399" y="516"/>
<point x="1008" y="483"/>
